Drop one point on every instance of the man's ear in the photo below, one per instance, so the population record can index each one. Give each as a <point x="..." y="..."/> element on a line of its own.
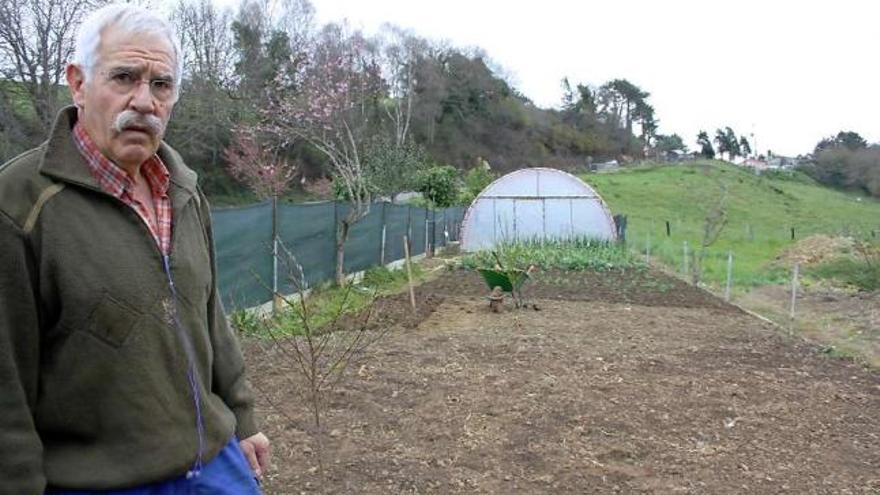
<point x="76" y="80"/>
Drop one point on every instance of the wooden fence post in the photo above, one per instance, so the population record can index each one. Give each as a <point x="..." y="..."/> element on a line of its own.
<point x="412" y="294"/>
<point x="382" y="245"/>
<point x="427" y="239"/>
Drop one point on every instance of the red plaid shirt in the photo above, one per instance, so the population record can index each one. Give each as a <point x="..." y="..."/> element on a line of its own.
<point x="114" y="181"/>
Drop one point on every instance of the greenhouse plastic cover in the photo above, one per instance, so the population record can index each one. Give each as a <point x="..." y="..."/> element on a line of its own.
<point x="533" y="204"/>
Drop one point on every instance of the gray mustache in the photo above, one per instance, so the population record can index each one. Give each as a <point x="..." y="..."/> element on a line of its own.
<point x="131" y="119"/>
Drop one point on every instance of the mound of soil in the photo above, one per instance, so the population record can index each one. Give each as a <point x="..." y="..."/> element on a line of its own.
<point x="814" y="250"/>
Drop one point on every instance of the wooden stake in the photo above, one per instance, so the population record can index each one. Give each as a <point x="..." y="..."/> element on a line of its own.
<point x="794" y="287"/>
<point x="412" y="293"/>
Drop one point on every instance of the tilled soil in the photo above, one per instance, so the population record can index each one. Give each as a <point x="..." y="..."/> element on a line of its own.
<point x="628" y="382"/>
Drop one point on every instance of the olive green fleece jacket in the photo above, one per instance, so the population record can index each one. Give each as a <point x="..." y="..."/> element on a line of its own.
<point x="94" y="390"/>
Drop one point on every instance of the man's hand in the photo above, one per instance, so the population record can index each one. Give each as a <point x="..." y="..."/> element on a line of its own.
<point x="256" y="451"/>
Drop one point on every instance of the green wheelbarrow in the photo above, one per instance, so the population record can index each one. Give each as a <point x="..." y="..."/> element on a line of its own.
<point x="510" y="280"/>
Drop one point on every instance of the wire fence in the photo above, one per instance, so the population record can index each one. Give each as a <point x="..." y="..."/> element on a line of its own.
<point x="243" y="236"/>
<point x="741" y="261"/>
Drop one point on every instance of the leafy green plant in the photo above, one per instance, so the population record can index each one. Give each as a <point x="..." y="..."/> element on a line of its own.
<point x="245" y="322"/>
<point x="582" y="254"/>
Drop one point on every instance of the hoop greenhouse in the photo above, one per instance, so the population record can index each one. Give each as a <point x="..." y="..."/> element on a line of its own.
<point x="534" y="204"/>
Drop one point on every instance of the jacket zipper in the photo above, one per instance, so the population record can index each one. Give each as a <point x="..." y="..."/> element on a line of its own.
<point x="192" y="372"/>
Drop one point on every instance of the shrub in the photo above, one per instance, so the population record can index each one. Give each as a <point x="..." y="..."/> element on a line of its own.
<point x="475" y="181"/>
<point x="439" y="185"/>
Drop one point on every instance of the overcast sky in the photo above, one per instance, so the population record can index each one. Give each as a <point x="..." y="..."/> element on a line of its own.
<point x="790" y="72"/>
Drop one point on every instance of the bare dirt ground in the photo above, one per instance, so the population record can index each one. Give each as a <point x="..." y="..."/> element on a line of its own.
<point x="621" y="383"/>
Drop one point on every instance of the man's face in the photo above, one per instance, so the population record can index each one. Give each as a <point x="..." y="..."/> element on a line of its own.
<point x="123" y="113"/>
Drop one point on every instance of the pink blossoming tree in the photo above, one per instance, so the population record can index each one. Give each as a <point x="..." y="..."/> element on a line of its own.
<point x="256" y="165"/>
<point x="333" y="109"/>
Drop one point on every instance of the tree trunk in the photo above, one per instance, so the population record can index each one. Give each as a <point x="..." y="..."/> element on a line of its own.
<point x="276" y="299"/>
<point x="341" y="235"/>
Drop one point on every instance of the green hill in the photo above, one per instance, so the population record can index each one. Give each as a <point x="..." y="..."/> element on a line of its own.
<point x="761" y="210"/>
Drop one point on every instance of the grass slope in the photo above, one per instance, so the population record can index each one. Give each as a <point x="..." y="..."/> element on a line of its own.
<point x="761" y="212"/>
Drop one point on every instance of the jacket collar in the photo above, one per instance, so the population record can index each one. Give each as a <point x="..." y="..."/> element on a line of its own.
<point x="63" y="161"/>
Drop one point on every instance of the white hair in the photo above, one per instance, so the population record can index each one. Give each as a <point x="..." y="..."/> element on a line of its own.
<point x="130" y="19"/>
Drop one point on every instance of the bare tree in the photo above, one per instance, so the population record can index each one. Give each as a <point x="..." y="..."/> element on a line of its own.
<point x="713" y="224"/>
<point x="37" y="39"/>
<point x="297" y="20"/>
<point x="400" y="52"/>
<point x="204" y="31"/>
<point x="272" y="40"/>
<point x="207" y="110"/>
<point x="320" y="346"/>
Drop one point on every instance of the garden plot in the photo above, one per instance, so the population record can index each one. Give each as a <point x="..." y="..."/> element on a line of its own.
<point x="621" y="382"/>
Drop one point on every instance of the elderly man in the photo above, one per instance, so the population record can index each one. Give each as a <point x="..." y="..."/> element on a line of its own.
<point x="118" y="371"/>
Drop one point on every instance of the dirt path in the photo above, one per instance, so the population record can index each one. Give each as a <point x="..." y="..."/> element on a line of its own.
<point x="607" y="389"/>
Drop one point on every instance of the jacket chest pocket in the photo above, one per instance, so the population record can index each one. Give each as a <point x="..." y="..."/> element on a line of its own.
<point x="112" y="321"/>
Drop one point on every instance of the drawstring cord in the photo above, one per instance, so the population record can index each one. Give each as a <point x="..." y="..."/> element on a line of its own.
<point x="192" y="373"/>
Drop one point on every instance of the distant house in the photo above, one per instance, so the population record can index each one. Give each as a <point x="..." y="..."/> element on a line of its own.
<point x="772" y="163"/>
<point x="756" y="164"/>
<point x="783" y="162"/>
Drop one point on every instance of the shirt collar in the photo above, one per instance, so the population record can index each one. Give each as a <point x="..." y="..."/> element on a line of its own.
<point x="112" y="178"/>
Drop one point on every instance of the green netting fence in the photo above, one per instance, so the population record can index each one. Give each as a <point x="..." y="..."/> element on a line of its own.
<point x="243" y="236"/>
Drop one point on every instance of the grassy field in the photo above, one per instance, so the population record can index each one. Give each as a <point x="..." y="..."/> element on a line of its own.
<point x="761" y="212"/>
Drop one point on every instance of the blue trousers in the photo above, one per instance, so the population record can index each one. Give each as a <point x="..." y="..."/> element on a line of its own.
<point x="227" y="474"/>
